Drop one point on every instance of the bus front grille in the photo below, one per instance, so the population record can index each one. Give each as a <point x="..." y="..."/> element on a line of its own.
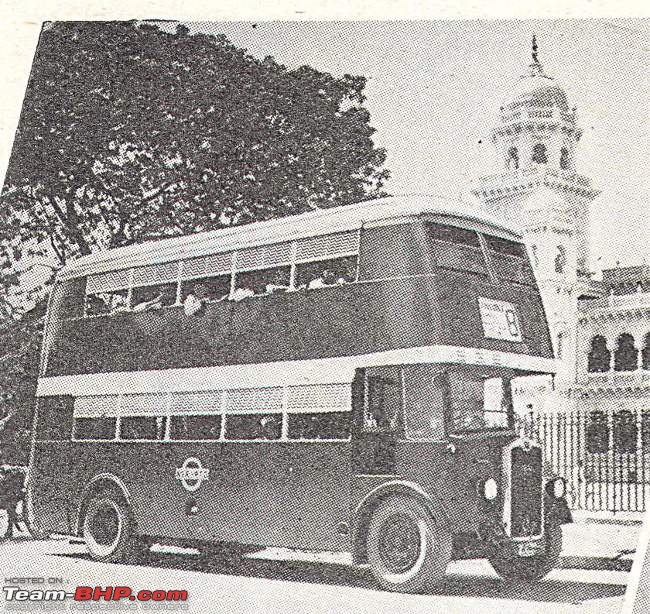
<point x="526" y="483"/>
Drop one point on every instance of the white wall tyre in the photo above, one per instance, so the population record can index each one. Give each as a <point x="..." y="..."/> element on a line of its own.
<point x="513" y="568"/>
<point x="108" y="530"/>
<point x="408" y="549"/>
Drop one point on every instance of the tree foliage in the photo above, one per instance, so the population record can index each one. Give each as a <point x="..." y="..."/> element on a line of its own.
<point x="130" y="133"/>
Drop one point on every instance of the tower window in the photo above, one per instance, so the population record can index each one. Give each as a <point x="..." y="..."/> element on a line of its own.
<point x="560" y="259"/>
<point x="513" y="159"/>
<point x="564" y="158"/>
<point x="539" y="153"/>
<point x="599" y="356"/>
<point x="625" y="356"/>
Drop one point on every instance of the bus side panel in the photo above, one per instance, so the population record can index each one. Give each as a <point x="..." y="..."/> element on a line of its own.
<point x="341" y="321"/>
<point x="273" y="493"/>
<point x="49" y="486"/>
<point x="147" y="469"/>
<point x="394" y="251"/>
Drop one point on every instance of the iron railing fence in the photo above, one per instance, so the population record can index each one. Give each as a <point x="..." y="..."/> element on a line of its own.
<point x="603" y="456"/>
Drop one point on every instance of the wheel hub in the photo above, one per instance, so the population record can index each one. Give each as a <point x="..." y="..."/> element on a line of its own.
<point x="399" y="543"/>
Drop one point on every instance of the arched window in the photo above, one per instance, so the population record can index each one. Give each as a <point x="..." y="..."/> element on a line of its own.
<point x="560" y="259"/>
<point x="645" y="354"/>
<point x="513" y="159"/>
<point x="565" y="161"/>
<point x="539" y="153"/>
<point x="625" y="356"/>
<point x="599" y="356"/>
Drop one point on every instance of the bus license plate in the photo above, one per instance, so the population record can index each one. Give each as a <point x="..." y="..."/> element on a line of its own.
<point x="527" y="549"/>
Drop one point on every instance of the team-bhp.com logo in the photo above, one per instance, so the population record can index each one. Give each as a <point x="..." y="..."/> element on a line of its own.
<point x="192" y="474"/>
<point x="92" y="593"/>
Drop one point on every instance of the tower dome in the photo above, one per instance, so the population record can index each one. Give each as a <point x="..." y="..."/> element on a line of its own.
<point x="536" y="89"/>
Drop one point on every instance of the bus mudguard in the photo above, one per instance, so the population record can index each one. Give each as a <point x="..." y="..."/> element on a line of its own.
<point x="99" y="482"/>
<point x="363" y="512"/>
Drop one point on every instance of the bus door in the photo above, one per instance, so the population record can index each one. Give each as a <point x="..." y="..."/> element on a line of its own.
<point x="377" y="406"/>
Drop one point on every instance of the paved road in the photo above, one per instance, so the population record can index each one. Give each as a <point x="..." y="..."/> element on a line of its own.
<point x="595" y="562"/>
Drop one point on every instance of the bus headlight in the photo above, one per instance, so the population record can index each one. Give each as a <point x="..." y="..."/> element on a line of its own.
<point x="490" y="489"/>
<point x="556" y="488"/>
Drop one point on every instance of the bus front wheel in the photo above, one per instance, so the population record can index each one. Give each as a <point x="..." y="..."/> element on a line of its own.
<point x="408" y="550"/>
<point x="109" y="530"/>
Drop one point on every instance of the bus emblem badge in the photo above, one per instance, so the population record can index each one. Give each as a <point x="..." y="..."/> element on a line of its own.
<point x="192" y="474"/>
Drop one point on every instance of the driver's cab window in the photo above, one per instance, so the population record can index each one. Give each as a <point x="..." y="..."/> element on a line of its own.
<point x="382" y="399"/>
<point x="425" y="391"/>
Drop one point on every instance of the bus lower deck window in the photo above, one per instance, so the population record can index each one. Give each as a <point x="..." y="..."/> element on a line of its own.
<point x="94" y="428"/>
<point x="320" y="425"/>
<point x="142" y="427"/>
<point x="254" y="426"/>
<point x="425" y="390"/>
<point x="195" y="427"/>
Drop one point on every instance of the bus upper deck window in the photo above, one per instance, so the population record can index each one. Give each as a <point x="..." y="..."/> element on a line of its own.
<point x="509" y="260"/>
<point x="456" y="248"/>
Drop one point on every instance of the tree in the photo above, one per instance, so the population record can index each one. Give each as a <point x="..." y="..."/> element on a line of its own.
<point x="130" y="133"/>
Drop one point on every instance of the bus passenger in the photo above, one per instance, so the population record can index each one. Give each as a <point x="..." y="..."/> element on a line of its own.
<point x="241" y="293"/>
<point x="327" y="278"/>
<point x="154" y="303"/>
<point x="195" y="300"/>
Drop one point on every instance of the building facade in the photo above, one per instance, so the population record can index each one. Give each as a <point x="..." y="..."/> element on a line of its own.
<point x="537" y="137"/>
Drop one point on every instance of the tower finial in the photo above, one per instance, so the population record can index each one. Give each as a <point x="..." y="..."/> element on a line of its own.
<point x="535" y="58"/>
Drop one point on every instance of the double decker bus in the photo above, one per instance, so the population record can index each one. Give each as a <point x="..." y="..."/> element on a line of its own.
<point x="345" y="385"/>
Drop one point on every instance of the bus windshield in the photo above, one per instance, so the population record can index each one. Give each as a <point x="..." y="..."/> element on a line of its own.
<point x="479" y="402"/>
<point x="473" y="399"/>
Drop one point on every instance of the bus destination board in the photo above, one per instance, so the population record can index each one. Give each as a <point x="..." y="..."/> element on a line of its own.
<point x="499" y="319"/>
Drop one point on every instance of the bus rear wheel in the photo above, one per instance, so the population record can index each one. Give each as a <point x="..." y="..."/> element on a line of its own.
<point x="514" y="568"/>
<point x="109" y="530"/>
<point x="408" y="550"/>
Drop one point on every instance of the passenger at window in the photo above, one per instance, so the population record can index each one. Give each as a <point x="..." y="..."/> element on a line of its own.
<point x="195" y="300"/>
<point x="155" y="303"/>
<point x="276" y="284"/>
<point x="119" y="303"/>
<point x="241" y="293"/>
<point x="327" y="278"/>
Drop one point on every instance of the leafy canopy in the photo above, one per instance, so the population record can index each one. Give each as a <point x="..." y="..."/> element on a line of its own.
<point x="130" y="133"/>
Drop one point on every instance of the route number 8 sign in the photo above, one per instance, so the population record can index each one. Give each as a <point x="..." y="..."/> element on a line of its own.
<point x="499" y="319"/>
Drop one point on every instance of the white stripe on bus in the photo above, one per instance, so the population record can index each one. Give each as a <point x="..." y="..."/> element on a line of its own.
<point x="286" y="373"/>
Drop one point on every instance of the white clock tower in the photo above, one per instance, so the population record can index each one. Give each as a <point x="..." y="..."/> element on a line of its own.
<point x="540" y="191"/>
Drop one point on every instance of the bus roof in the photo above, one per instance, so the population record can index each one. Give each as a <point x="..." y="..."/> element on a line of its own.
<point x="388" y="210"/>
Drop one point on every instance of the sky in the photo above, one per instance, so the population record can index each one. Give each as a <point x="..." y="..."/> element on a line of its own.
<point x="435" y="87"/>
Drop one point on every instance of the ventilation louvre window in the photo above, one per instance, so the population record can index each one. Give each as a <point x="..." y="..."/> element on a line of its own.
<point x="264" y="256"/>
<point x="96" y="407"/>
<point x="143" y="405"/>
<point x="155" y="274"/>
<point x="255" y="400"/>
<point x="321" y="397"/>
<point x="207" y="266"/>
<point x="196" y="403"/>
<point x="105" y="282"/>
<point x="327" y="246"/>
